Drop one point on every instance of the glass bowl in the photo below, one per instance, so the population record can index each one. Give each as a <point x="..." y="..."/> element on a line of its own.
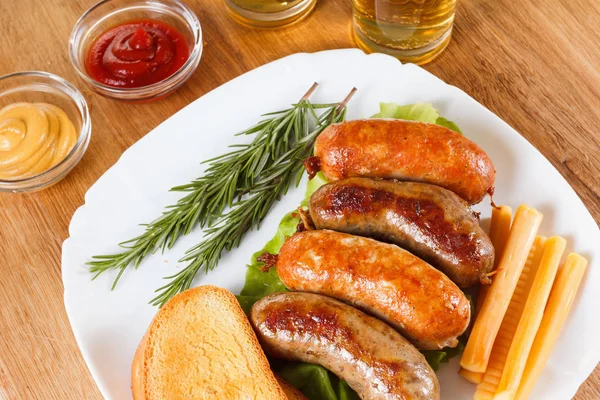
<point x="43" y="87"/>
<point x="110" y="13"/>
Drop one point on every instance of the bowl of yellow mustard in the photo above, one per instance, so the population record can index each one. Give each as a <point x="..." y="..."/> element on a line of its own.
<point x="45" y="129"/>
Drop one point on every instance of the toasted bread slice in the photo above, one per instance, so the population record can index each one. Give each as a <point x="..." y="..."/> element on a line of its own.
<point x="200" y="345"/>
<point x="290" y="391"/>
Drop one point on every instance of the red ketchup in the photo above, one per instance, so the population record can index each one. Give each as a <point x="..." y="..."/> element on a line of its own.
<point x="136" y="54"/>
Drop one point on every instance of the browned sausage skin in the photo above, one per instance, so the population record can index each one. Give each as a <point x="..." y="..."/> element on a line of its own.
<point x="379" y="278"/>
<point x="375" y="360"/>
<point x="430" y="221"/>
<point x="406" y="150"/>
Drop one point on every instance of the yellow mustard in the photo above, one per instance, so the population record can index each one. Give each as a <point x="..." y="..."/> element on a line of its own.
<point x="34" y="137"/>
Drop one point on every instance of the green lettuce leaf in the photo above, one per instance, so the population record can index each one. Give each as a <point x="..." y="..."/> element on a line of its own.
<point x="423" y="112"/>
<point x="316" y="382"/>
<point x="316" y="182"/>
<point x="448" y="124"/>
<point x="436" y="357"/>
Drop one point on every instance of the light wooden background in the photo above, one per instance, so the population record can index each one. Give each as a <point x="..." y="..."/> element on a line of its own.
<point x="535" y="63"/>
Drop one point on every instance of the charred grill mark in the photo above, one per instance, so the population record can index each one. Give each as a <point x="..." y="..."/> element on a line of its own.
<point x="428" y="216"/>
<point x="319" y="320"/>
<point x="348" y="199"/>
<point x="424" y="214"/>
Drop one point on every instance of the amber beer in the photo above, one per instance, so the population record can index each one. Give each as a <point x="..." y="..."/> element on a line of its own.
<point x="269" y="13"/>
<point x="411" y="30"/>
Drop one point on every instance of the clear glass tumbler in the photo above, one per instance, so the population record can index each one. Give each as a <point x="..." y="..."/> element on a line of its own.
<point x="414" y="31"/>
<point x="269" y="13"/>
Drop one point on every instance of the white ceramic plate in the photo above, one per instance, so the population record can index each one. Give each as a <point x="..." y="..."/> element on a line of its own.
<point x="108" y="325"/>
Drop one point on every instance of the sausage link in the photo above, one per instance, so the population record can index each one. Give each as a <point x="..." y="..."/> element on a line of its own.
<point x="379" y="278"/>
<point x="375" y="360"/>
<point x="429" y="221"/>
<point x="406" y="150"/>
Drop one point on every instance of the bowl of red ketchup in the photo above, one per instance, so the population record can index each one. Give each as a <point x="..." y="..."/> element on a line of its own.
<point x="136" y="50"/>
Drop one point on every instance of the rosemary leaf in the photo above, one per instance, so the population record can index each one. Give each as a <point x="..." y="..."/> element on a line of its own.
<point x="226" y="179"/>
<point x="249" y="212"/>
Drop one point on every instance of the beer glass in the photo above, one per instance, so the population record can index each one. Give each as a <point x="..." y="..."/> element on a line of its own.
<point x="269" y="13"/>
<point x="414" y="31"/>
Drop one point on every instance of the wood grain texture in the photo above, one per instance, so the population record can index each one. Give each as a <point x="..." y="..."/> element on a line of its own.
<point x="534" y="63"/>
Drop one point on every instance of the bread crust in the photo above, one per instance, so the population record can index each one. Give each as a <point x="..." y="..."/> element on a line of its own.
<point x="290" y="391"/>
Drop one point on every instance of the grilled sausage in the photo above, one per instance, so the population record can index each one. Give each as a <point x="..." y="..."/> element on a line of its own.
<point x="379" y="278"/>
<point x="406" y="150"/>
<point x="375" y="360"/>
<point x="429" y="221"/>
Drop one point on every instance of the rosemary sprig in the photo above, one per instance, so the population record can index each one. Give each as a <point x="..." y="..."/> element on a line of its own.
<point x="250" y="211"/>
<point x="227" y="177"/>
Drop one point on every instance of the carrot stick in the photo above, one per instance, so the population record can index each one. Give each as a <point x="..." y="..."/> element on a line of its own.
<point x="561" y="299"/>
<point x="531" y="319"/>
<point x="522" y="233"/>
<point x="499" y="230"/>
<point x="472" y="377"/>
<point x="491" y="378"/>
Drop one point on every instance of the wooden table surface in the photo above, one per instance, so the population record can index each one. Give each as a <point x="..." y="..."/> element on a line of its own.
<point x="534" y="63"/>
